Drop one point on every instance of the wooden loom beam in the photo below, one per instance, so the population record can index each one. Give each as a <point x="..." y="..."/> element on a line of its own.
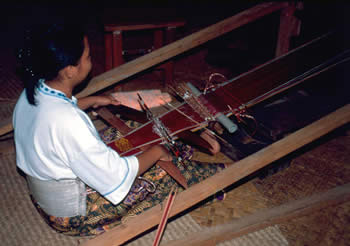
<point x="230" y="175"/>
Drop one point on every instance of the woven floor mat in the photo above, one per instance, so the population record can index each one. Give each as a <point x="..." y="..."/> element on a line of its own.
<point x="323" y="166"/>
<point x="20" y="223"/>
<point x="186" y="225"/>
<point x="238" y="202"/>
<point x="6" y="109"/>
<point x="11" y="86"/>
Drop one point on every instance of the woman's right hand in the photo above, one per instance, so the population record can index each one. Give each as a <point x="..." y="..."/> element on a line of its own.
<point x="165" y="155"/>
<point x="150" y="156"/>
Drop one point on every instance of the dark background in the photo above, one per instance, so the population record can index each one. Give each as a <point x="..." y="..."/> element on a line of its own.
<point x="317" y="16"/>
<point x="253" y="43"/>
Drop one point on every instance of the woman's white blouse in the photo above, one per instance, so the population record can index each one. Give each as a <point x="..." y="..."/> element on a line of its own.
<point x="56" y="140"/>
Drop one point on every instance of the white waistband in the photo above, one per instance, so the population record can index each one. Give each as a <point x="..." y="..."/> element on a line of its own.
<point x="62" y="198"/>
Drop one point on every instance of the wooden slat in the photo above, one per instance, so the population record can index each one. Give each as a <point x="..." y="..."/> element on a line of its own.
<point x="265" y="218"/>
<point x="113" y="120"/>
<point x="174" y="172"/>
<point x="160" y="55"/>
<point x="128" y="113"/>
<point x="230" y="175"/>
<point x="141" y="25"/>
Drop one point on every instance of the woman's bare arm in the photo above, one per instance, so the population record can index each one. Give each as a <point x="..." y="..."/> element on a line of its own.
<point x="149" y="157"/>
<point x="96" y="101"/>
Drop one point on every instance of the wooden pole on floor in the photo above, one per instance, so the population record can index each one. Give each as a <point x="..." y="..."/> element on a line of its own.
<point x="196" y="193"/>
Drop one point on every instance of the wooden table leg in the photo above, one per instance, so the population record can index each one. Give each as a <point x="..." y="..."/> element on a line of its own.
<point x="158" y="38"/>
<point x="117" y="49"/>
<point x="108" y="51"/>
<point x="158" y="42"/>
<point x="169" y="66"/>
<point x="289" y="27"/>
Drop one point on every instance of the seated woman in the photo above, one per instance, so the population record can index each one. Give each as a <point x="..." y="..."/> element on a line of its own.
<point x="57" y="146"/>
<point x="78" y="184"/>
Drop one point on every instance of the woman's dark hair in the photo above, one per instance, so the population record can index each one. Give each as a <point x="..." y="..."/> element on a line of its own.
<point x="47" y="50"/>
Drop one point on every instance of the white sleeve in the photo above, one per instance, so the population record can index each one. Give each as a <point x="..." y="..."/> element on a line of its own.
<point x="96" y="164"/>
<point x="102" y="169"/>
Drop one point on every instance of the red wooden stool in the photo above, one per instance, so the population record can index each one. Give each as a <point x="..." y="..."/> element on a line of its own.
<point x="114" y="40"/>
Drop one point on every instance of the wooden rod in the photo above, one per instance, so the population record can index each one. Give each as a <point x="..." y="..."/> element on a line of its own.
<point x="228" y="176"/>
<point x="162" y="54"/>
<point x="265" y="218"/>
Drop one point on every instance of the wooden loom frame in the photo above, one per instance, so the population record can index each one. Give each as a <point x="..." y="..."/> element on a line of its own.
<point x="230" y="175"/>
<point x="289" y="26"/>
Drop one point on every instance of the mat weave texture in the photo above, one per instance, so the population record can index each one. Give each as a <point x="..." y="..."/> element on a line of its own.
<point x="186" y="225"/>
<point x="20" y="223"/>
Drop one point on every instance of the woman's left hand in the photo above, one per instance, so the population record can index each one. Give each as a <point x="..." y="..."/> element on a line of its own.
<point x="104" y="100"/>
<point x="96" y="101"/>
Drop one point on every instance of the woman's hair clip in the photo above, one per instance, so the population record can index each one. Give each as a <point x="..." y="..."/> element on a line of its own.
<point x="23" y="55"/>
